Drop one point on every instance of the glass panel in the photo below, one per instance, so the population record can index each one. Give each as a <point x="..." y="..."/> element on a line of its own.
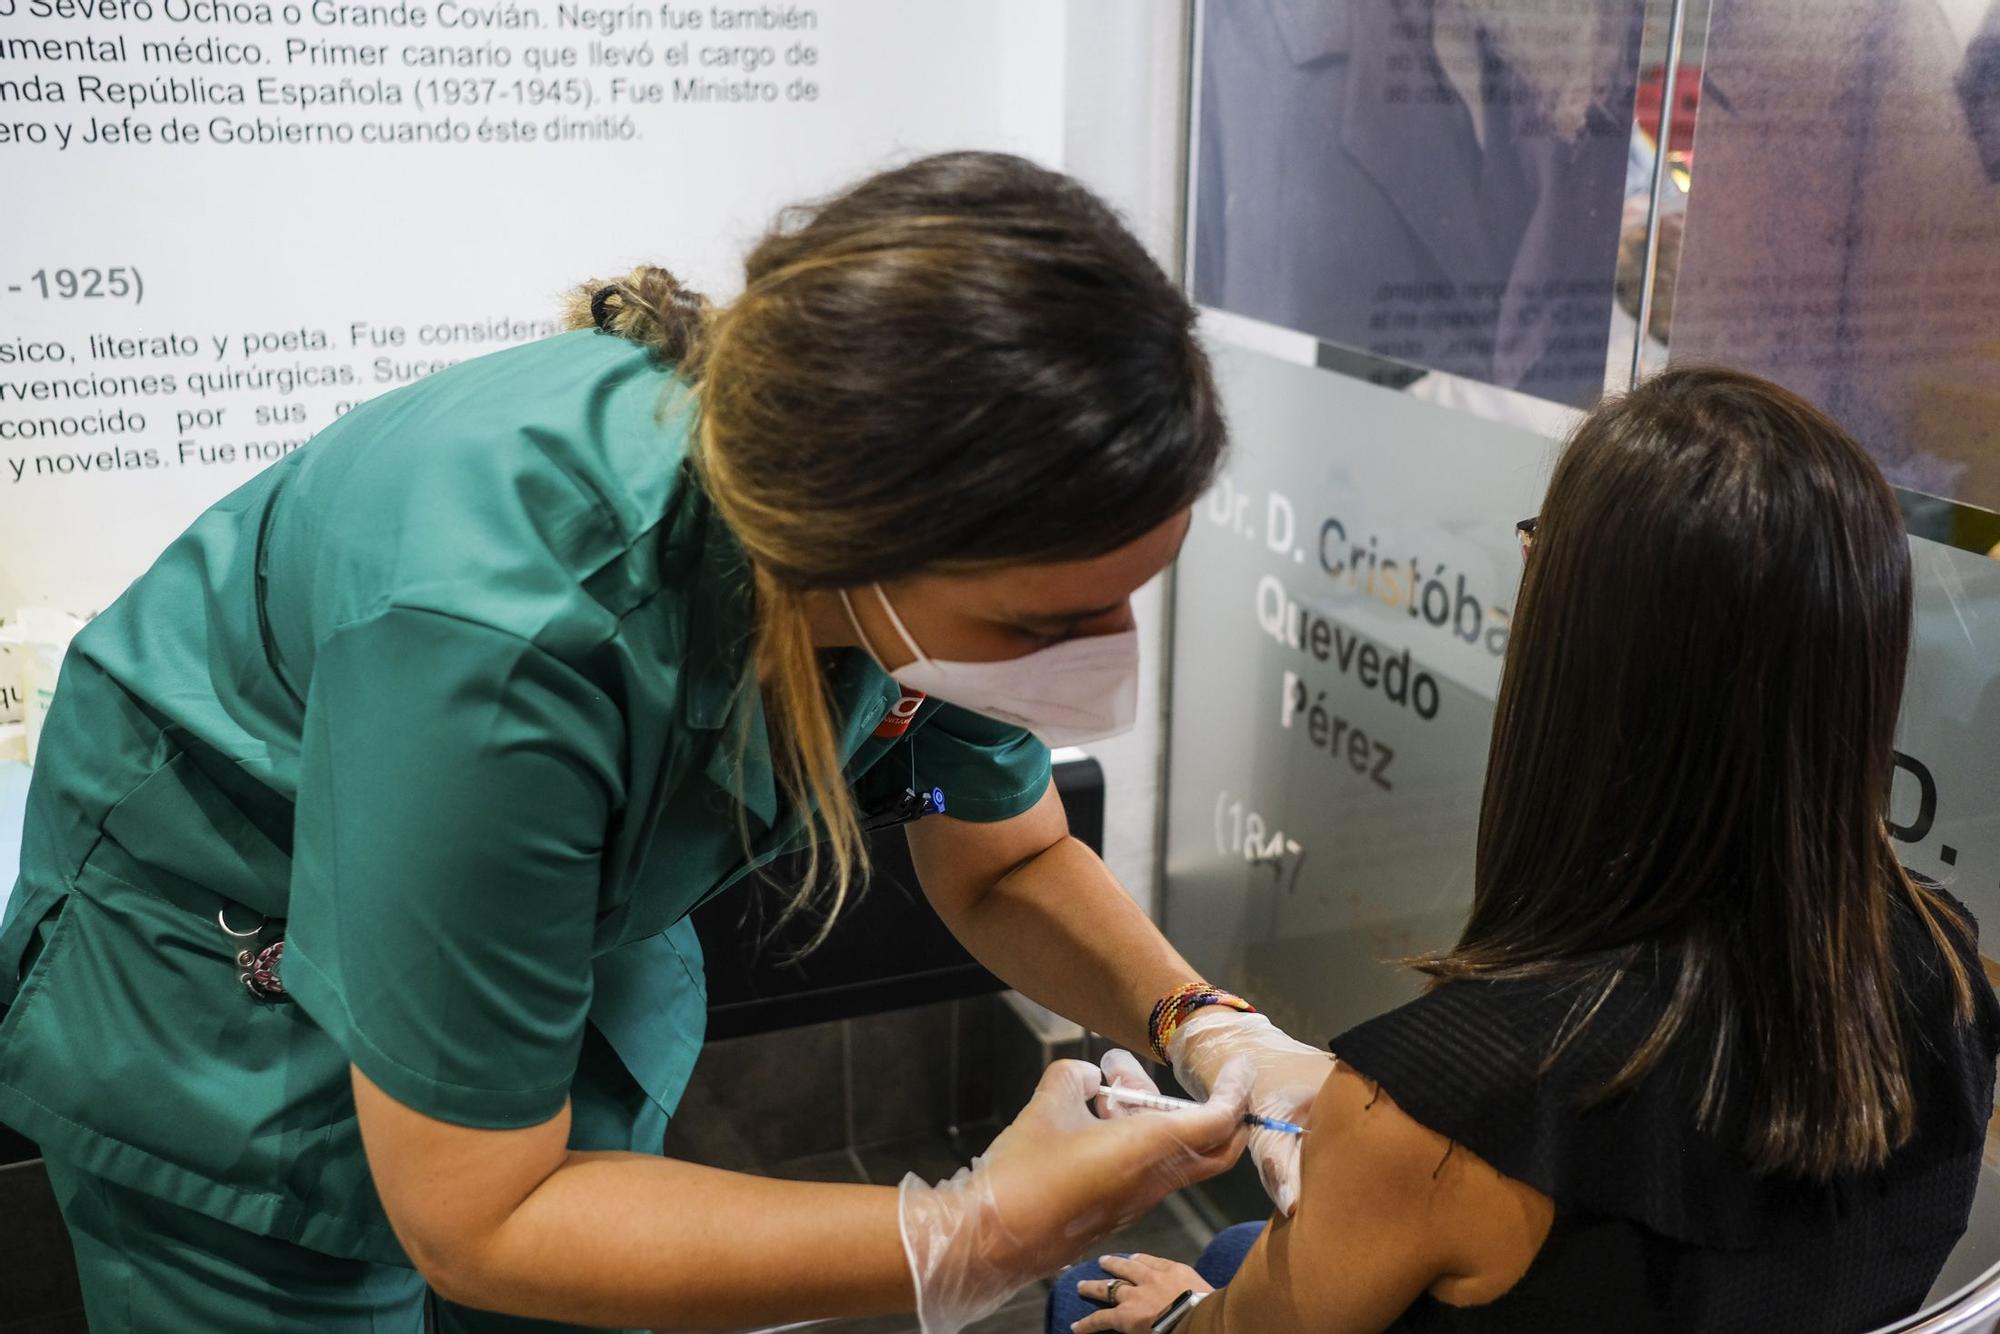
<point x="1347" y="587"/>
<point x="1442" y="183"/>
<point x="1945" y="809"/>
<point x="1844" y="235"/>
<point x="1340" y="611"/>
<point x="1330" y="712"/>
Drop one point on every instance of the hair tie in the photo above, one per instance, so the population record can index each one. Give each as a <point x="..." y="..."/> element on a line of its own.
<point x="600" y="308"/>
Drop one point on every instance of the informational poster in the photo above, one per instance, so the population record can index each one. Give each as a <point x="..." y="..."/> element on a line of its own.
<point x="229" y="221"/>
<point x="1438" y="182"/>
<point x="1341" y="613"/>
<point x="1843" y="231"/>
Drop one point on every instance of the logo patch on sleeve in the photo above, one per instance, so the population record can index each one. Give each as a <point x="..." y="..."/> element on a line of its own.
<point x="901" y="714"/>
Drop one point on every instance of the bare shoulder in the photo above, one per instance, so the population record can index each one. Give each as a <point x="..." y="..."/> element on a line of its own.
<point x="1388" y="1210"/>
<point x="1474" y="1229"/>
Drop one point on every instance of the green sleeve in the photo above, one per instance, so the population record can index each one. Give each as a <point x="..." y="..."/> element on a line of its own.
<point x="989" y="771"/>
<point x="455" y="787"/>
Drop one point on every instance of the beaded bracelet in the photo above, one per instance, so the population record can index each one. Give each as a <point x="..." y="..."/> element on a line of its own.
<point x="1173" y="1009"/>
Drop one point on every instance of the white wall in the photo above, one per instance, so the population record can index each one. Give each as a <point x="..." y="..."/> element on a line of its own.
<point x="289" y="242"/>
<point x="299" y="240"/>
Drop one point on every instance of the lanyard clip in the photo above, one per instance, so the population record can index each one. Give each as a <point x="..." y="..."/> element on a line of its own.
<point x="906" y="809"/>
<point x="258" y="957"/>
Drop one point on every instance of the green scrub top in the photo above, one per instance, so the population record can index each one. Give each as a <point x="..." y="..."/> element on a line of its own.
<point x="456" y="700"/>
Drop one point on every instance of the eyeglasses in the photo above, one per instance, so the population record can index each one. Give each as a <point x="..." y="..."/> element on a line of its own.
<point x="1525" y="530"/>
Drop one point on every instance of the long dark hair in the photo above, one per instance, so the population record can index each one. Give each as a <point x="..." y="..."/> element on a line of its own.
<point x="1692" y="753"/>
<point x="964" y="362"/>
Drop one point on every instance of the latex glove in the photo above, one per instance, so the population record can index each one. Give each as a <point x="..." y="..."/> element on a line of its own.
<point x="1054" y="1181"/>
<point x="1289" y="1075"/>
<point x="1121" y="1069"/>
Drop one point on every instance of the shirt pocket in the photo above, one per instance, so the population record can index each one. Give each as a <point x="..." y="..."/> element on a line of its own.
<point x="133" y="1028"/>
<point x="179" y="823"/>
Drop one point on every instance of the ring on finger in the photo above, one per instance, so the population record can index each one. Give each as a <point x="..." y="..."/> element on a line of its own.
<point x="1111" y="1289"/>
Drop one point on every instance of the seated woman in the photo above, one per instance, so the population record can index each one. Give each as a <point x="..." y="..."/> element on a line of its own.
<point x="1706" y="1057"/>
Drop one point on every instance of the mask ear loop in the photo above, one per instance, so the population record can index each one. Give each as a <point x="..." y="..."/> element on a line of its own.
<point x="848" y="604"/>
<point x="897" y="621"/>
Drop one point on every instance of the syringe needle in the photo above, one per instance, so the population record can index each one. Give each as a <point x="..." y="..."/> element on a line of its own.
<point x="1160" y="1102"/>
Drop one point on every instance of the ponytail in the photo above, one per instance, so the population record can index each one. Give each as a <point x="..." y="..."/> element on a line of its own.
<point x="648" y="306"/>
<point x="805" y="747"/>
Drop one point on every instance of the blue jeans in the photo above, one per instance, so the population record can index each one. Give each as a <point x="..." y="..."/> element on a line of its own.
<point x="1218" y="1264"/>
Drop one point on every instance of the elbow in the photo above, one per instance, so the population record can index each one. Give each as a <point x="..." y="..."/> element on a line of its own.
<point x="453" y="1266"/>
<point x="452" y="1192"/>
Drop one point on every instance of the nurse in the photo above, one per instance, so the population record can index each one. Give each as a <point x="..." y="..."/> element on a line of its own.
<point x="350" y="955"/>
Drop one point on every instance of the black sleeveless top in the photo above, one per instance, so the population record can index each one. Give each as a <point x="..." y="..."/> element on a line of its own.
<point x="1660" y="1226"/>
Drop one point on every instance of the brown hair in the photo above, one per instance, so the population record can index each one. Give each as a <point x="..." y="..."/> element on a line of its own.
<point x="1693" y="747"/>
<point x="962" y="363"/>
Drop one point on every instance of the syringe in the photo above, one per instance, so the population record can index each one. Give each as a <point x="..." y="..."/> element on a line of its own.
<point x="1160" y="1102"/>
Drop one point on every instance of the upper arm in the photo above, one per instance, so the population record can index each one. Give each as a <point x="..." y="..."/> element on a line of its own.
<point x="1001" y="809"/>
<point x="1388" y="1209"/>
<point x="959" y="860"/>
<point x="455" y="788"/>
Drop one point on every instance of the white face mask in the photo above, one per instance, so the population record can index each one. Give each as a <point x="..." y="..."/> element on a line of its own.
<point x="1069" y="693"/>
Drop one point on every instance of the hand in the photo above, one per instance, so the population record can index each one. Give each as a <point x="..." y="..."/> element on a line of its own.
<point x="1139" y="1291"/>
<point x="1121" y="1069"/>
<point x="1289" y="1075"/>
<point x="1054" y="1181"/>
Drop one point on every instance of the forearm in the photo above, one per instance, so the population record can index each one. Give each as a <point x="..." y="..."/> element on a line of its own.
<point x="1060" y="929"/>
<point x="628" y="1240"/>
